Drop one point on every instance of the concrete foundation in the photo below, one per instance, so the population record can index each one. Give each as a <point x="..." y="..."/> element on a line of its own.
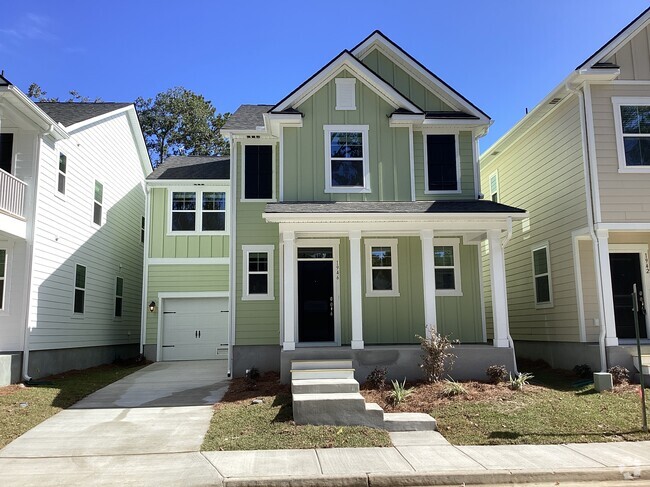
<point x="150" y="352"/>
<point x="402" y="360"/>
<point x="47" y="362"/>
<point x="10" y="365"/>
<point x="266" y="358"/>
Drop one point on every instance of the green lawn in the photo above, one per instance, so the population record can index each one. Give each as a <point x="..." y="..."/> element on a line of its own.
<point x="22" y="408"/>
<point x="242" y="425"/>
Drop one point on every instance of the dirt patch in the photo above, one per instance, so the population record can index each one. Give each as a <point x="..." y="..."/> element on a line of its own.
<point x="6" y="390"/>
<point x="243" y="390"/>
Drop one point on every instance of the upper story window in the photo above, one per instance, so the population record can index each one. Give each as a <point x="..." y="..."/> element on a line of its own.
<point x="542" y="276"/>
<point x="381" y="267"/>
<point x="3" y="276"/>
<point x="494" y="187"/>
<point x="79" y="289"/>
<point x="442" y="164"/>
<point x="198" y="212"/>
<point x="446" y="261"/>
<point x="99" y="201"/>
<point x="346" y="159"/>
<point x="6" y="152"/>
<point x="632" y="121"/>
<point x="119" y="296"/>
<point x="63" y="168"/>
<point x="258" y="172"/>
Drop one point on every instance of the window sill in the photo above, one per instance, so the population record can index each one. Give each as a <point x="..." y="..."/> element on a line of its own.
<point x="543" y="305"/>
<point x="186" y="234"/>
<point x="261" y="297"/>
<point x="449" y="293"/>
<point x="450" y="191"/>
<point x="391" y="294"/>
<point x="351" y="190"/>
<point x="633" y="169"/>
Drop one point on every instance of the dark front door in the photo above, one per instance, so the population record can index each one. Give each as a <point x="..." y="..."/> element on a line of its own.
<point x="626" y="271"/>
<point x="315" y="301"/>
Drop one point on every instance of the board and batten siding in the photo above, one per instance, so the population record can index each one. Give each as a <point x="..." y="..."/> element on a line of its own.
<point x="633" y="57"/>
<point x="624" y="197"/>
<point x="65" y="235"/>
<point x="181" y="278"/>
<point x="304" y="148"/>
<point x="258" y="322"/>
<point x="543" y="173"/>
<point x="166" y="246"/>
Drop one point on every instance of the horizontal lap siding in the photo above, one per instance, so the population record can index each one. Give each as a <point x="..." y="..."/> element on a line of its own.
<point x="624" y="197"/>
<point x="543" y="173"/>
<point x="181" y="279"/>
<point x="65" y="235"/>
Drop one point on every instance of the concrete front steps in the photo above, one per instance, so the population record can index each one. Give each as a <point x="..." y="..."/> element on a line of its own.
<point x="326" y="393"/>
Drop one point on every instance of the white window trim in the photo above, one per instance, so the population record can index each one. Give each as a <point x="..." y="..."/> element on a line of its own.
<point x="60" y="173"/>
<point x="494" y="175"/>
<point x="101" y="204"/>
<point x="345" y="84"/>
<point x="4" y="308"/>
<point x="118" y="296"/>
<point x="458" y="189"/>
<point x="74" y="289"/>
<point x="328" y="129"/>
<point x="199" y="209"/>
<point x="243" y="198"/>
<point x="455" y="243"/>
<point x="617" y="103"/>
<point x="392" y="243"/>
<point x="246" y="250"/>
<point x="533" y="249"/>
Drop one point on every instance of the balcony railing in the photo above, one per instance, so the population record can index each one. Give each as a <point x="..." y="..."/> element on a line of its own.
<point x="12" y="195"/>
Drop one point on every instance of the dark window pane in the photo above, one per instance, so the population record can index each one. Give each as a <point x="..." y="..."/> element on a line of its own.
<point x="443" y="255"/>
<point x="99" y="192"/>
<point x="214" y="201"/>
<point x="61" y="184"/>
<point x="79" y="295"/>
<point x="258" y="284"/>
<point x="184" y="201"/>
<point x="542" y="291"/>
<point x="381" y="257"/>
<point x="214" y="221"/>
<point x="119" y="286"/>
<point x="118" y="306"/>
<point x="495" y="197"/>
<point x="630" y="120"/>
<point x="183" y="221"/>
<point x="3" y="259"/>
<point x="382" y="280"/>
<point x="347" y="173"/>
<point x="258" y="172"/>
<point x="6" y="151"/>
<point x="346" y="144"/>
<point x="539" y="261"/>
<point x="2" y="293"/>
<point x="314" y="253"/>
<point x="142" y="231"/>
<point x="62" y="163"/>
<point x="80" y="276"/>
<point x="97" y="213"/>
<point x="637" y="151"/>
<point x="258" y="261"/>
<point x="445" y="279"/>
<point x="441" y="163"/>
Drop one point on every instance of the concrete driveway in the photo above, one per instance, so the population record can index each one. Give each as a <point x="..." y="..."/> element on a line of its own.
<point x="162" y="408"/>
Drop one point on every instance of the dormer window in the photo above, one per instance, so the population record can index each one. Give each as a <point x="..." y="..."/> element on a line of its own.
<point x="346" y="159"/>
<point x="345" y="94"/>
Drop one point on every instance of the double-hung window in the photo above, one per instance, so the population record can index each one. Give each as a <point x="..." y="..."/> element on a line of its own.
<point x="381" y="267"/>
<point x="258" y="272"/>
<point x="446" y="261"/>
<point x="632" y="121"/>
<point x="542" y="276"/>
<point x="346" y="159"/>
<point x="258" y="172"/>
<point x="63" y="163"/>
<point x="442" y="170"/>
<point x="98" y="203"/>
<point x="3" y="277"/>
<point x="119" y="296"/>
<point x="197" y="211"/>
<point x="79" y="289"/>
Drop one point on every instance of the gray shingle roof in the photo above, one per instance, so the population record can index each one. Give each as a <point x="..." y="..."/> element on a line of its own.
<point x="69" y="113"/>
<point x="457" y="206"/>
<point x="192" y="167"/>
<point x="247" y="117"/>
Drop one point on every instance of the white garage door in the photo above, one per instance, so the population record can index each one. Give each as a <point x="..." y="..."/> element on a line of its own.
<point x="195" y="329"/>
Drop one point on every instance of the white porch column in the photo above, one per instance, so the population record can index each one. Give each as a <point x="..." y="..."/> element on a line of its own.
<point x="355" y="289"/>
<point x="429" y="282"/>
<point x="606" y="295"/>
<point x="289" y="343"/>
<point x="499" y="295"/>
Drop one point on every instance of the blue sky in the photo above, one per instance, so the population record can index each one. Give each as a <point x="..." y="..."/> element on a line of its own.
<point x="502" y="55"/>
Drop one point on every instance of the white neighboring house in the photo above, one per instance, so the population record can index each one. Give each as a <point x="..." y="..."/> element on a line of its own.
<point x="72" y="205"/>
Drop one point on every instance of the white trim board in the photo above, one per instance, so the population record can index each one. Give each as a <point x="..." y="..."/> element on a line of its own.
<point x="189" y="261"/>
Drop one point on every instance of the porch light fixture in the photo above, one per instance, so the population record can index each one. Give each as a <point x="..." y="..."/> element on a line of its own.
<point x="152" y="306"/>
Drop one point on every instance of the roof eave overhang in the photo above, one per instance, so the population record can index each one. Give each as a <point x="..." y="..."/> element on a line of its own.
<point x="29" y="109"/>
<point x="274" y="121"/>
<point x="392" y="217"/>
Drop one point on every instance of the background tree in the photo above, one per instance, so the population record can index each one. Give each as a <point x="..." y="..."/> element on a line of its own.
<point x="181" y="122"/>
<point x="36" y="93"/>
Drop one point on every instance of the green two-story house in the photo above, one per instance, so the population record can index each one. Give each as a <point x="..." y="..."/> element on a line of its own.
<point x="357" y="221"/>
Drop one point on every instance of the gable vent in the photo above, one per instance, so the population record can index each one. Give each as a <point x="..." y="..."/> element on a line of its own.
<point x="555" y="101"/>
<point x="345" y="94"/>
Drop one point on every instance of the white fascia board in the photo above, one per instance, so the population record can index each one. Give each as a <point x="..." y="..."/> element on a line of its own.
<point x="390" y="217"/>
<point x="80" y="125"/>
<point x="398" y="57"/>
<point x="29" y="109"/>
<point x="598" y="74"/>
<point x="346" y="61"/>
<point x="138" y="136"/>
<point x="234" y="133"/>
<point x="274" y="121"/>
<point x="187" y="182"/>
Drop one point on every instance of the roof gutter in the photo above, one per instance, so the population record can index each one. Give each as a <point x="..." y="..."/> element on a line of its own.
<point x="37" y="115"/>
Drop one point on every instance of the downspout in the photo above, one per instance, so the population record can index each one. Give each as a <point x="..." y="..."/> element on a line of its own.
<point x="588" y="170"/>
<point x="504" y="242"/>
<point x="30" y="254"/>
<point x="145" y="267"/>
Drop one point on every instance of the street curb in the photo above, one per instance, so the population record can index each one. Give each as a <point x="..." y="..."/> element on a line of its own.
<point x="474" y="477"/>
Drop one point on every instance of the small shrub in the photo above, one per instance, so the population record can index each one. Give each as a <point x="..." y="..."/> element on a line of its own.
<point x="497" y="373"/>
<point x="400" y="392"/>
<point x="453" y="388"/>
<point x="620" y="375"/>
<point x="253" y="373"/>
<point x="518" y="382"/>
<point x="583" y="371"/>
<point x="377" y="378"/>
<point x="436" y="355"/>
